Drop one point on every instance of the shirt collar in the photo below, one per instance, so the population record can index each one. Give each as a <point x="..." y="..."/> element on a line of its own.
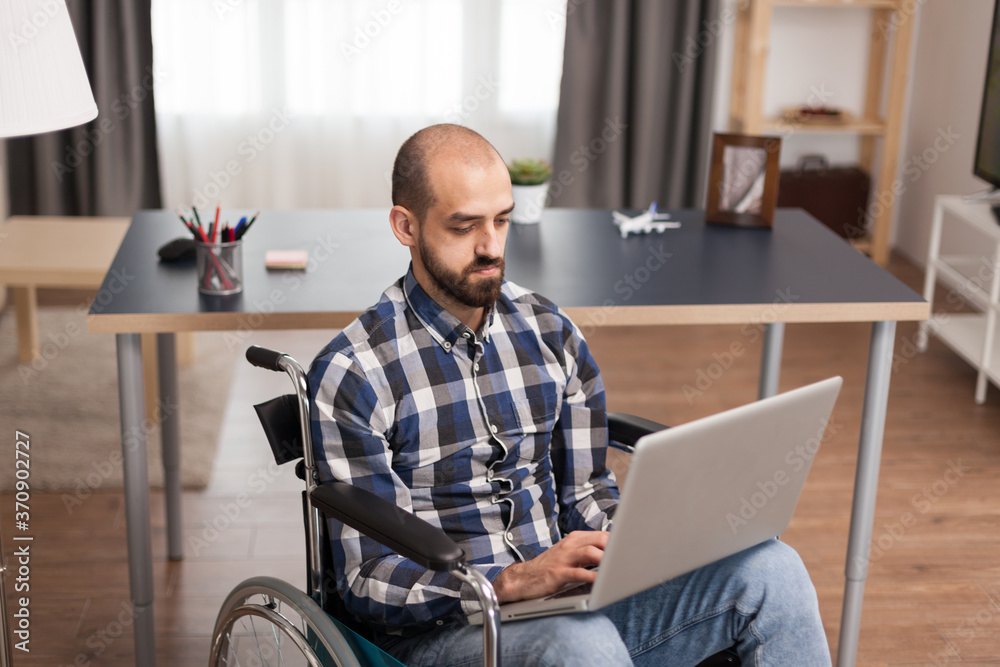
<point x="444" y="327"/>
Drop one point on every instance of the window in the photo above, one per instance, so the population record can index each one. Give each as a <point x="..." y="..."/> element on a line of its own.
<point x="303" y="103"/>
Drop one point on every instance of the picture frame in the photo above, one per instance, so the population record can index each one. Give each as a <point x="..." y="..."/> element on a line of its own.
<point x="743" y="180"/>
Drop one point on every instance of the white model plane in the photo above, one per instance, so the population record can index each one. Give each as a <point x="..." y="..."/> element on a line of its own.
<point x="647" y="221"/>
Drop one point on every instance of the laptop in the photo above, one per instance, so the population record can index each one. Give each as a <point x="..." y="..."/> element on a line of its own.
<point x="699" y="492"/>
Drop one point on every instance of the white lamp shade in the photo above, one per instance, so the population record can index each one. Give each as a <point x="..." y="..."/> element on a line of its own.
<point x="43" y="83"/>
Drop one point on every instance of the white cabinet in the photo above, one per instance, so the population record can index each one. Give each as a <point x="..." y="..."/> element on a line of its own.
<point x="972" y="280"/>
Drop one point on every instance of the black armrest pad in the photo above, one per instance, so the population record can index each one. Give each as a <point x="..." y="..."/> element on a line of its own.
<point x="627" y="429"/>
<point x="388" y="525"/>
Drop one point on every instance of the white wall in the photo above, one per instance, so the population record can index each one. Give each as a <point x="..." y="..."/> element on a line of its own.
<point x="946" y="88"/>
<point x="826" y="49"/>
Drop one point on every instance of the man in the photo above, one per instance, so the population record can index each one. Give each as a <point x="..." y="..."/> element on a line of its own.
<point x="476" y="405"/>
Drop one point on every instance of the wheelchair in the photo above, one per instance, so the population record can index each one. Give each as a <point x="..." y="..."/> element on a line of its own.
<point x="267" y="621"/>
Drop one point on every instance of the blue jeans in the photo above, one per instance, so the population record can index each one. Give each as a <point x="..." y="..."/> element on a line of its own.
<point x="760" y="601"/>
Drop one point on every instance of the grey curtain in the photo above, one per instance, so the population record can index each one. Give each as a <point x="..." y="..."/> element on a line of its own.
<point x="108" y="166"/>
<point x="634" y="122"/>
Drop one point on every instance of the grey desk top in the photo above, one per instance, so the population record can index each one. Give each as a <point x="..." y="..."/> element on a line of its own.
<point x="797" y="272"/>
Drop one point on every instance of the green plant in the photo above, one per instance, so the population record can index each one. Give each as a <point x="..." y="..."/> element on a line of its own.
<point x="528" y="171"/>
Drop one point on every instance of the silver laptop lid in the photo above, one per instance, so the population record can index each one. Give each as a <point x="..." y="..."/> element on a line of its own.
<point x="729" y="481"/>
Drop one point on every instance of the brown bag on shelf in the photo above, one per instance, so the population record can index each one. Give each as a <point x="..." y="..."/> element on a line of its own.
<point x="836" y="196"/>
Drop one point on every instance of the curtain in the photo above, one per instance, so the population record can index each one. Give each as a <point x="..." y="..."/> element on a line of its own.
<point x="108" y="166"/>
<point x="634" y="120"/>
<point x="304" y="103"/>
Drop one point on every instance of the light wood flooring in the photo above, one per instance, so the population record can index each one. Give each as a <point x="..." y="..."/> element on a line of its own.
<point x="933" y="592"/>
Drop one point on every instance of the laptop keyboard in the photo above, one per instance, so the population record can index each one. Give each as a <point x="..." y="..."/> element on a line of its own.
<point x="579" y="589"/>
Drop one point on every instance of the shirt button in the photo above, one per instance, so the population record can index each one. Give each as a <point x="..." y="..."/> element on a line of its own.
<point x="493" y="427"/>
<point x="466" y="335"/>
<point x="510" y="536"/>
<point x="475" y="366"/>
<point x="446" y="345"/>
<point x="489" y="474"/>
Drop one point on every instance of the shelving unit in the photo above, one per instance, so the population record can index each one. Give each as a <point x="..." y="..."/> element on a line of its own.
<point x="889" y="48"/>
<point x="974" y="280"/>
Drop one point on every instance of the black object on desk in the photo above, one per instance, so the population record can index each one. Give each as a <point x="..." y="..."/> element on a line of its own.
<point x="177" y="250"/>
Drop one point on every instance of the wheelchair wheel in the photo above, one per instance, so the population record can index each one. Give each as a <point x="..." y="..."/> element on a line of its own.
<point x="267" y="621"/>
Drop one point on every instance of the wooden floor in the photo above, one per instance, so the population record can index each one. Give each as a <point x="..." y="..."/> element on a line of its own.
<point x="933" y="592"/>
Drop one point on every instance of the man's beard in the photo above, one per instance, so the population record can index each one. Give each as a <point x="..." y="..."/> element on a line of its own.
<point x="463" y="287"/>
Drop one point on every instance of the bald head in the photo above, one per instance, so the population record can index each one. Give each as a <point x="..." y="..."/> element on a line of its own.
<point x="435" y="147"/>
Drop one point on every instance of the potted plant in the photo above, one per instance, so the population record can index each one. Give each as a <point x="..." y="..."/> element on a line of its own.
<point x="529" y="179"/>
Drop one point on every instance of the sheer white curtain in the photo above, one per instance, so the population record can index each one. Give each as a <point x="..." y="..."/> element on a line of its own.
<point x="303" y="103"/>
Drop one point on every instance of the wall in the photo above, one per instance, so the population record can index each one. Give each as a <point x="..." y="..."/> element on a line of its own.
<point x="946" y="88"/>
<point x="824" y="51"/>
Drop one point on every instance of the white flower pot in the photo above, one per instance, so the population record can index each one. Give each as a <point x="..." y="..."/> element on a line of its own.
<point x="529" y="202"/>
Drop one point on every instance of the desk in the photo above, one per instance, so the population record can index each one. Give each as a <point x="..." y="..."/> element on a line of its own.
<point x="42" y="251"/>
<point x="699" y="274"/>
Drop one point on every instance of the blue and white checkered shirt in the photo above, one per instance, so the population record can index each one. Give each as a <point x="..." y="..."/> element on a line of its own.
<point x="499" y="437"/>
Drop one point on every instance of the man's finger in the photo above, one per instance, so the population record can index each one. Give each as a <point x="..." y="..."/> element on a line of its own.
<point x="582" y="574"/>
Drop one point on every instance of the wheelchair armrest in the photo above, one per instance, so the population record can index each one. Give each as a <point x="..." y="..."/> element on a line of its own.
<point x="388" y="525"/>
<point x="627" y="429"/>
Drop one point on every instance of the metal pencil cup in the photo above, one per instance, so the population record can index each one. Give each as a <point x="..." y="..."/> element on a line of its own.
<point x="220" y="267"/>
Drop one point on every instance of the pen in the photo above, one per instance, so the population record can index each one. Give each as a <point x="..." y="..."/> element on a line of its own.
<point x="244" y="230"/>
<point x="215" y="225"/>
<point x="186" y="223"/>
<point x="195" y="231"/>
<point x="239" y="226"/>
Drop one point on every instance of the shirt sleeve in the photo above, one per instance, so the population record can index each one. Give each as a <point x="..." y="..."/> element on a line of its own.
<point x="349" y="426"/>
<point x="587" y="491"/>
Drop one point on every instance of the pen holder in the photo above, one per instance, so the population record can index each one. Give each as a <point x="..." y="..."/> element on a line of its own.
<point x="220" y="267"/>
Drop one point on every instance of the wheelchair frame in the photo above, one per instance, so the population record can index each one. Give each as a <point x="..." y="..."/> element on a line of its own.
<point x="373" y="516"/>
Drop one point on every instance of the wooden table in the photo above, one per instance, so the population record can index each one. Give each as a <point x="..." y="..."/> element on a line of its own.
<point x="699" y="274"/>
<point x="39" y="251"/>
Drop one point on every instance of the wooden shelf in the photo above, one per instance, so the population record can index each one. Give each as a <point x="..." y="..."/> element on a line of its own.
<point x="862" y="243"/>
<point x="856" y="126"/>
<point x="877" y="131"/>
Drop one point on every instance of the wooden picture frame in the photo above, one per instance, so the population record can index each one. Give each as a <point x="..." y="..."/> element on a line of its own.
<point x="743" y="180"/>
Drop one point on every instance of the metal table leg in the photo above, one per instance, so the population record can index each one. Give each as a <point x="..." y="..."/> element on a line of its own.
<point x="166" y="356"/>
<point x="132" y="403"/>
<point x="770" y="359"/>
<point x="865" y="487"/>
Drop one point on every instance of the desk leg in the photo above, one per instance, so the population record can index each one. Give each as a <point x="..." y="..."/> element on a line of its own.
<point x="865" y="487"/>
<point x="132" y="404"/>
<point x="770" y="359"/>
<point x="169" y="408"/>
<point x="26" y="308"/>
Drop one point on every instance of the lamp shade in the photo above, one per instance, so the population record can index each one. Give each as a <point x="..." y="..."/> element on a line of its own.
<point x="43" y="83"/>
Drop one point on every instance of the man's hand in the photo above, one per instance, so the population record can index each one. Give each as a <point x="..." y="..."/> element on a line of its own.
<point x="565" y="563"/>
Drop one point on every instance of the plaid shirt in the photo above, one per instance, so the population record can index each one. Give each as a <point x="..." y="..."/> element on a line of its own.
<point x="498" y="437"/>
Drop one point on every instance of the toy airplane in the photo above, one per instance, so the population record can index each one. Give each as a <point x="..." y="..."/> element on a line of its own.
<point x="647" y="221"/>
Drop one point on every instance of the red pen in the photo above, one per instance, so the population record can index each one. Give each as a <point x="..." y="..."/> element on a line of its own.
<point x="215" y="226"/>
